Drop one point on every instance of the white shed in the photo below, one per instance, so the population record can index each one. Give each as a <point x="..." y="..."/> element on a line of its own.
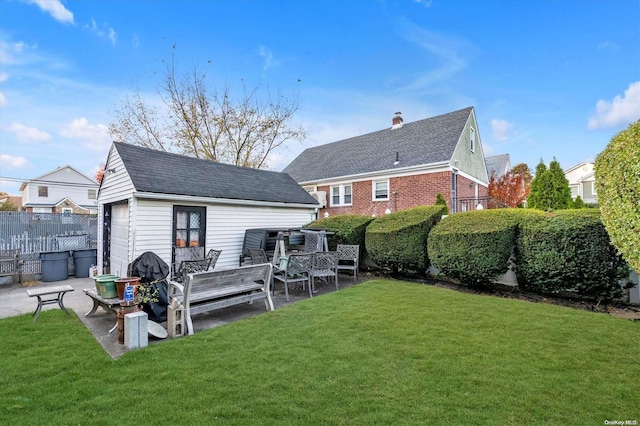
<point x="154" y="201"/>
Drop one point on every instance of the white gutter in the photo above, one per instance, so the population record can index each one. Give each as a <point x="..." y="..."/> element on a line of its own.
<point x="209" y="200"/>
<point x="400" y="171"/>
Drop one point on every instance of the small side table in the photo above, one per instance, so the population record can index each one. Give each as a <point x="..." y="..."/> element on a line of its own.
<point x="59" y="292"/>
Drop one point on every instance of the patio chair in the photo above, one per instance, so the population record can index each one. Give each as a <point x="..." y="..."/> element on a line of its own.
<point x="325" y="266"/>
<point x="348" y="258"/>
<point x="190" y="267"/>
<point x="213" y="256"/>
<point x="258" y="256"/>
<point x="297" y="270"/>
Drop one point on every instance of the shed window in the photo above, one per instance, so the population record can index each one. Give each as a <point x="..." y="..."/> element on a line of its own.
<point x="189" y="226"/>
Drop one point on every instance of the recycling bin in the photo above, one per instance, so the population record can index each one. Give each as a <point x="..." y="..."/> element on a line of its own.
<point x="83" y="260"/>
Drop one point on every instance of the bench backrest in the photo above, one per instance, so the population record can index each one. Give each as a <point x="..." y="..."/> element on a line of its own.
<point x="203" y="281"/>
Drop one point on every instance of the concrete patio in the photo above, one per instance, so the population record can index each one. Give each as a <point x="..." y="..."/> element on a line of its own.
<point x="15" y="301"/>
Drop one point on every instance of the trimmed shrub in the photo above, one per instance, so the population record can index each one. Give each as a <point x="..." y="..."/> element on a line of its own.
<point x="346" y="228"/>
<point x="475" y="247"/>
<point x="398" y="241"/>
<point x="568" y="250"/>
<point x="617" y="171"/>
<point x="578" y="203"/>
<point x="440" y="201"/>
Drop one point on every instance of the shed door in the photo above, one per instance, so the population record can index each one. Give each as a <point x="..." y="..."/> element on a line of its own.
<point x="119" y="239"/>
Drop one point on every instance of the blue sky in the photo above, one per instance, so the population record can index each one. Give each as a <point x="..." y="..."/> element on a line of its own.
<point x="547" y="78"/>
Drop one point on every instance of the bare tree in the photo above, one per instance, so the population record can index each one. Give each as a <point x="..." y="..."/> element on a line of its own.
<point x="208" y="123"/>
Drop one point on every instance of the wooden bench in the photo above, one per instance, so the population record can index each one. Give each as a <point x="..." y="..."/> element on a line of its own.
<point x="59" y="291"/>
<point x="109" y="305"/>
<point x="211" y="290"/>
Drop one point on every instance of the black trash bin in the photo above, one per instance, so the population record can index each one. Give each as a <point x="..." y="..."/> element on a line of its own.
<point x="55" y="265"/>
<point x="83" y="260"/>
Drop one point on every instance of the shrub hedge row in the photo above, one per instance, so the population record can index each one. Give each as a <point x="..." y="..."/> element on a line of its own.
<point x="347" y="229"/>
<point x="568" y="250"/>
<point x="398" y="241"/>
<point x="475" y="247"/>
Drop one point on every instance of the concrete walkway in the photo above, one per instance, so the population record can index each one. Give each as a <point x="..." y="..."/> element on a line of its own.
<point x="15" y="301"/>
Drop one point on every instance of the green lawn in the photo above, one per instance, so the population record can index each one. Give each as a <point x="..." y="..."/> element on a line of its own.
<point x="383" y="352"/>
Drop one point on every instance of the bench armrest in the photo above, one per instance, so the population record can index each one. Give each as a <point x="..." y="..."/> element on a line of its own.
<point x="175" y="286"/>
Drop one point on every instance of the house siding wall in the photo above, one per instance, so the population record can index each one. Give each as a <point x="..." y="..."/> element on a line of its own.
<point x="404" y="193"/>
<point x="62" y="183"/>
<point x="471" y="162"/>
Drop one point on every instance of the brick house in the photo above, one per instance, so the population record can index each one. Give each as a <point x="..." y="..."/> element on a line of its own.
<point x="403" y="166"/>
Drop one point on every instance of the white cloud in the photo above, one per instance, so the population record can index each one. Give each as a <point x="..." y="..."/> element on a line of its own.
<point x="103" y="31"/>
<point x="29" y="134"/>
<point x="425" y="3"/>
<point x="621" y="110"/>
<point x="13" y="53"/>
<point x="267" y="55"/>
<point x="487" y="149"/>
<point x="3" y="100"/>
<point x="607" y="45"/>
<point x="11" y="162"/>
<point x="451" y="55"/>
<point x="501" y="130"/>
<point x="55" y="8"/>
<point x="94" y="136"/>
<point x="3" y="76"/>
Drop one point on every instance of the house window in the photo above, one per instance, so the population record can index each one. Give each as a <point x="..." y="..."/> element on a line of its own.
<point x="43" y="191"/>
<point x="91" y="194"/>
<point x="381" y="190"/>
<point x="341" y="195"/>
<point x="189" y="226"/>
<point x="472" y="139"/>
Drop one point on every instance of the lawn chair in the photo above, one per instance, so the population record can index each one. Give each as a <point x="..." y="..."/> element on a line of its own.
<point x="297" y="270"/>
<point x="213" y="256"/>
<point x="348" y="258"/>
<point x="258" y="256"/>
<point x="325" y="266"/>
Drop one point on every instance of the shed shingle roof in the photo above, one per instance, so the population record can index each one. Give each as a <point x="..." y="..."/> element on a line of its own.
<point x="167" y="173"/>
<point x="423" y="142"/>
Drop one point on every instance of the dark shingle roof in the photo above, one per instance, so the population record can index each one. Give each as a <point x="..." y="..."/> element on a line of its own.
<point x="167" y="173"/>
<point x="428" y="141"/>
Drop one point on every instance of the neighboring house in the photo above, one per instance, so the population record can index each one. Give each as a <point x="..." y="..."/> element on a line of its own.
<point x="582" y="182"/>
<point x="155" y="201"/>
<point x="63" y="190"/>
<point x="498" y="165"/>
<point x="403" y="166"/>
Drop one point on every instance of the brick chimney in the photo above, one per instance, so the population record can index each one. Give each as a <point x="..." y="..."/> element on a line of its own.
<point x="397" y="121"/>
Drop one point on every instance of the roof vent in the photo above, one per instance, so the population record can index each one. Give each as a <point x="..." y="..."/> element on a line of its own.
<point x="397" y="121"/>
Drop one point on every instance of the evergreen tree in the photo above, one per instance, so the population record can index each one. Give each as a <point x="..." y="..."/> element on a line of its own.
<point x="562" y="192"/>
<point x="440" y="201"/>
<point x="550" y="188"/>
<point x="578" y="203"/>
<point x="534" y="194"/>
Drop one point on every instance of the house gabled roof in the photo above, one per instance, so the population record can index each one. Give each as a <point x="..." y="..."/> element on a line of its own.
<point x="500" y="164"/>
<point x="43" y="178"/>
<point x="423" y="142"/>
<point x="162" y="172"/>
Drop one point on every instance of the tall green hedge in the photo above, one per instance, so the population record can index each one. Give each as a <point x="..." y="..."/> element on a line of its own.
<point x="568" y="250"/>
<point x="346" y="228"/>
<point x="398" y="241"/>
<point x="617" y="171"/>
<point x="475" y="247"/>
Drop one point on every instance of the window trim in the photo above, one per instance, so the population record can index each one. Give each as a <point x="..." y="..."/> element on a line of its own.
<point x="472" y="139"/>
<point x="91" y="192"/>
<point x="341" y="194"/>
<point x="202" y="230"/>
<point x="373" y="190"/>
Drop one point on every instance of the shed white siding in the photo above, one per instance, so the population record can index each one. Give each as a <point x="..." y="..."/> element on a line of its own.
<point x="225" y="227"/>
